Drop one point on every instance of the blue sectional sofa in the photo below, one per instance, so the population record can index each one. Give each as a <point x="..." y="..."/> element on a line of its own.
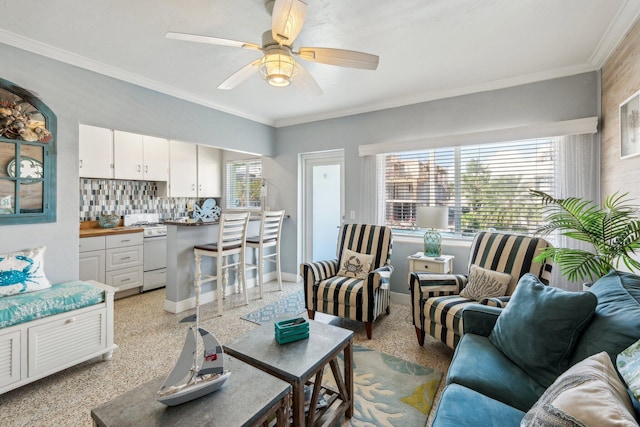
<point x="486" y="387"/>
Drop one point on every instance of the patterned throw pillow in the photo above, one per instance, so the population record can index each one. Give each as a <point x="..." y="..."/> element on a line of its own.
<point x="588" y="394"/>
<point x="354" y="264"/>
<point x="22" y="272"/>
<point x="485" y="283"/>
<point x="628" y="363"/>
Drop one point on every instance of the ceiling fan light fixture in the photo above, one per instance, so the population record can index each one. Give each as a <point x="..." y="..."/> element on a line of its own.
<point x="278" y="68"/>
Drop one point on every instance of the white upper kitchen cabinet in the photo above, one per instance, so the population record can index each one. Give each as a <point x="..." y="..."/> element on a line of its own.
<point x="128" y="155"/>
<point x="140" y="157"/>
<point x="96" y="152"/>
<point x="209" y="182"/>
<point x="183" y="169"/>
<point x="156" y="158"/>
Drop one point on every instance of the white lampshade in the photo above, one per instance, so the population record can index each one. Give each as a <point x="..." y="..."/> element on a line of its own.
<point x="434" y="217"/>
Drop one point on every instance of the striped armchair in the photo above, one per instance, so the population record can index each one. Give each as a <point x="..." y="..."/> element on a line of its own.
<point x="436" y="305"/>
<point x="352" y="298"/>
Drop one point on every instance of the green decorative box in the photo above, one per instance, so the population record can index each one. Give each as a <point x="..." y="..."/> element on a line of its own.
<point x="291" y="330"/>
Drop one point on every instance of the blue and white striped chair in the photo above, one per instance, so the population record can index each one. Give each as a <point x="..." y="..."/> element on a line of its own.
<point x="352" y="298"/>
<point x="436" y="305"/>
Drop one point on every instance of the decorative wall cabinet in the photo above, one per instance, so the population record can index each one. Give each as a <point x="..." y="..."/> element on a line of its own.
<point x="27" y="157"/>
<point x="209" y="173"/>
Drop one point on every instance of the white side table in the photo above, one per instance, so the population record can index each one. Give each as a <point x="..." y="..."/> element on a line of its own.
<point x="426" y="264"/>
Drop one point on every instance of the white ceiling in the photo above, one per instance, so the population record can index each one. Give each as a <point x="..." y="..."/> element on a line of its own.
<point x="428" y="49"/>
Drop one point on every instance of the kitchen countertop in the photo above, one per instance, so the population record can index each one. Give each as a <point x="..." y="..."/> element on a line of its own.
<point x="92" y="229"/>
<point x="191" y="223"/>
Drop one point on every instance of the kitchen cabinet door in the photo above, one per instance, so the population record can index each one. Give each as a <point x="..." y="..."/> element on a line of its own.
<point x="96" y="152"/>
<point x="127" y="155"/>
<point x="183" y="169"/>
<point x="156" y="158"/>
<point x="92" y="266"/>
<point x="209" y="172"/>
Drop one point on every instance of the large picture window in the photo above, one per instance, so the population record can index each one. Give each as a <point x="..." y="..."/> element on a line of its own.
<point x="244" y="184"/>
<point x="485" y="186"/>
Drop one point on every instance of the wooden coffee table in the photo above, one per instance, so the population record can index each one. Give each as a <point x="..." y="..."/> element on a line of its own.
<point x="249" y="397"/>
<point x="299" y="361"/>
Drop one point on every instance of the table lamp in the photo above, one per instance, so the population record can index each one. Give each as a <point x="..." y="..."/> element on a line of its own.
<point x="432" y="218"/>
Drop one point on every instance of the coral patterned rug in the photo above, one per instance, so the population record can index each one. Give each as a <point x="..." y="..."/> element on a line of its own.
<point x="389" y="391"/>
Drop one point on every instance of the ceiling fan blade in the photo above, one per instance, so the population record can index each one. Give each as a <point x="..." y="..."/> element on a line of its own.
<point x="287" y="19"/>
<point x="211" y="40"/>
<point x="339" y="57"/>
<point x="241" y="75"/>
<point x="305" y="82"/>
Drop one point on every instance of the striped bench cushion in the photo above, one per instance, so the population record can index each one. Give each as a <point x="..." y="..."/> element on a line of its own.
<point x="20" y="308"/>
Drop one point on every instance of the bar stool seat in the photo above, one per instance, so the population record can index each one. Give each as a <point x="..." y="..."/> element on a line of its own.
<point x="270" y="232"/>
<point x="231" y="241"/>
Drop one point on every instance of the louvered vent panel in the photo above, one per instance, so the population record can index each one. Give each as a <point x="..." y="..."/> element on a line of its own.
<point x="82" y="336"/>
<point x="9" y="358"/>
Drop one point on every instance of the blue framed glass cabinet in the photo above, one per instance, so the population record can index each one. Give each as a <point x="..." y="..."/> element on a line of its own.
<point x="27" y="157"/>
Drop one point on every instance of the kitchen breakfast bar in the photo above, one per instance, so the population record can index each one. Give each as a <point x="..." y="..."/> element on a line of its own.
<point x="182" y="236"/>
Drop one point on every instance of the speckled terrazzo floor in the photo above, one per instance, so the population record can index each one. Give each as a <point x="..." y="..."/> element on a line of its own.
<point x="150" y="339"/>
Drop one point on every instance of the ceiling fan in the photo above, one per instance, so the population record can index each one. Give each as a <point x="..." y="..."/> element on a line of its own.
<point x="277" y="66"/>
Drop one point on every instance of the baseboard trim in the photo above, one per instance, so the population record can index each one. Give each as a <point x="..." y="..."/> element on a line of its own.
<point x="400" y="298"/>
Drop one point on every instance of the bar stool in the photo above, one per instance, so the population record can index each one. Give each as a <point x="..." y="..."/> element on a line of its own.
<point x="231" y="241"/>
<point x="270" y="231"/>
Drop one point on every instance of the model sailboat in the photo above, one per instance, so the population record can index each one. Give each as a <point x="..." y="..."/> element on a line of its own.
<point x="194" y="376"/>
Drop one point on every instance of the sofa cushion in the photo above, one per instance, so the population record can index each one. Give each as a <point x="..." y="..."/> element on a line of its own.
<point x="588" y="394"/>
<point x="616" y="322"/>
<point x="463" y="407"/>
<point x="485" y="283"/>
<point x="480" y="366"/>
<point x="22" y="272"/>
<point x="628" y="363"/>
<point x="540" y="326"/>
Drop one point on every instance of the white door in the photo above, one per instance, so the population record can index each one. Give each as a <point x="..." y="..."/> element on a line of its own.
<point x="323" y="203"/>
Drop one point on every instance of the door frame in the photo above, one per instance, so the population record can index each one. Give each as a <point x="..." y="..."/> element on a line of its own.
<point x="305" y="228"/>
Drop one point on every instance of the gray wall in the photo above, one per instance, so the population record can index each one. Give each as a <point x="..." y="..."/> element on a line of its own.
<point x="549" y="101"/>
<point x="79" y="96"/>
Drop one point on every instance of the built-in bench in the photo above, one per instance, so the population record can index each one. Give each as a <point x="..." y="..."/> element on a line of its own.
<point x="49" y="330"/>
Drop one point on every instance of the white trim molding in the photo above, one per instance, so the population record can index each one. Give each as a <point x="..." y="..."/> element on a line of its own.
<point x="588" y="125"/>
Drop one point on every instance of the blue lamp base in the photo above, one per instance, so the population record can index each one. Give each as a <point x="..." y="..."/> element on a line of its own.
<point x="432" y="243"/>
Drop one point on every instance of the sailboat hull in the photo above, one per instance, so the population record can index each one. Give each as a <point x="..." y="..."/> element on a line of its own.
<point x="194" y="391"/>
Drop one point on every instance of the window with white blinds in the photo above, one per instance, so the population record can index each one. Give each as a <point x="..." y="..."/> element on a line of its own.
<point x="244" y="182"/>
<point x="485" y="186"/>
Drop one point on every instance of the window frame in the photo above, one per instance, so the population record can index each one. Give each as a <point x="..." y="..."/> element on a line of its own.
<point x="229" y="190"/>
<point x="455" y="202"/>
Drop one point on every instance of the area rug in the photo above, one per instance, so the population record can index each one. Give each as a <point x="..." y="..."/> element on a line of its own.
<point x="389" y="391"/>
<point x="289" y="306"/>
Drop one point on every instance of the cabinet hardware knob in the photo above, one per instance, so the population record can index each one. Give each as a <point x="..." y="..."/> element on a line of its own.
<point x="70" y="320"/>
<point x="125" y="257"/>
<point x="126" y="280"/>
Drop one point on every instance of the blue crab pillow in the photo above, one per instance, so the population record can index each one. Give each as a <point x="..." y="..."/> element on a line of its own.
<point x="22" y="272"/>
<point x="355" y="264"/>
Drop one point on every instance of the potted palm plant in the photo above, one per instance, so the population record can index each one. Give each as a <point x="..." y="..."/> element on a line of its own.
<point x="613" y="233"/>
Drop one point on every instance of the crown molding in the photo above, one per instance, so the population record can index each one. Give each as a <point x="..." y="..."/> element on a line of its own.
<point x="79" y="61"/>
<point x="618" y="29"/>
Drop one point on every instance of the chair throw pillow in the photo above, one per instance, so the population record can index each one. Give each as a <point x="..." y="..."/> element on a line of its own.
<point x="354" y="264"/>
<point x="588" y="394"/>
<point x="628" y="362"/>
<point x="540" y="326"/>
<point x="22" y="272"/>
<point x="485" y="283"/>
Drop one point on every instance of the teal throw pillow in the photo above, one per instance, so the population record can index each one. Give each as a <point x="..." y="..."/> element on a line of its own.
<point x="540" y="326"/>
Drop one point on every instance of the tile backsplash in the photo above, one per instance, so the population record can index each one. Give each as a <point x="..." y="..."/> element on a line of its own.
<point x="114" y="196"/>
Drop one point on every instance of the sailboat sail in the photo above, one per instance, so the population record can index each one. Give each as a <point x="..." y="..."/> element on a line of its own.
<point x="183" y="366"/>
<point x="212" y="358"/>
